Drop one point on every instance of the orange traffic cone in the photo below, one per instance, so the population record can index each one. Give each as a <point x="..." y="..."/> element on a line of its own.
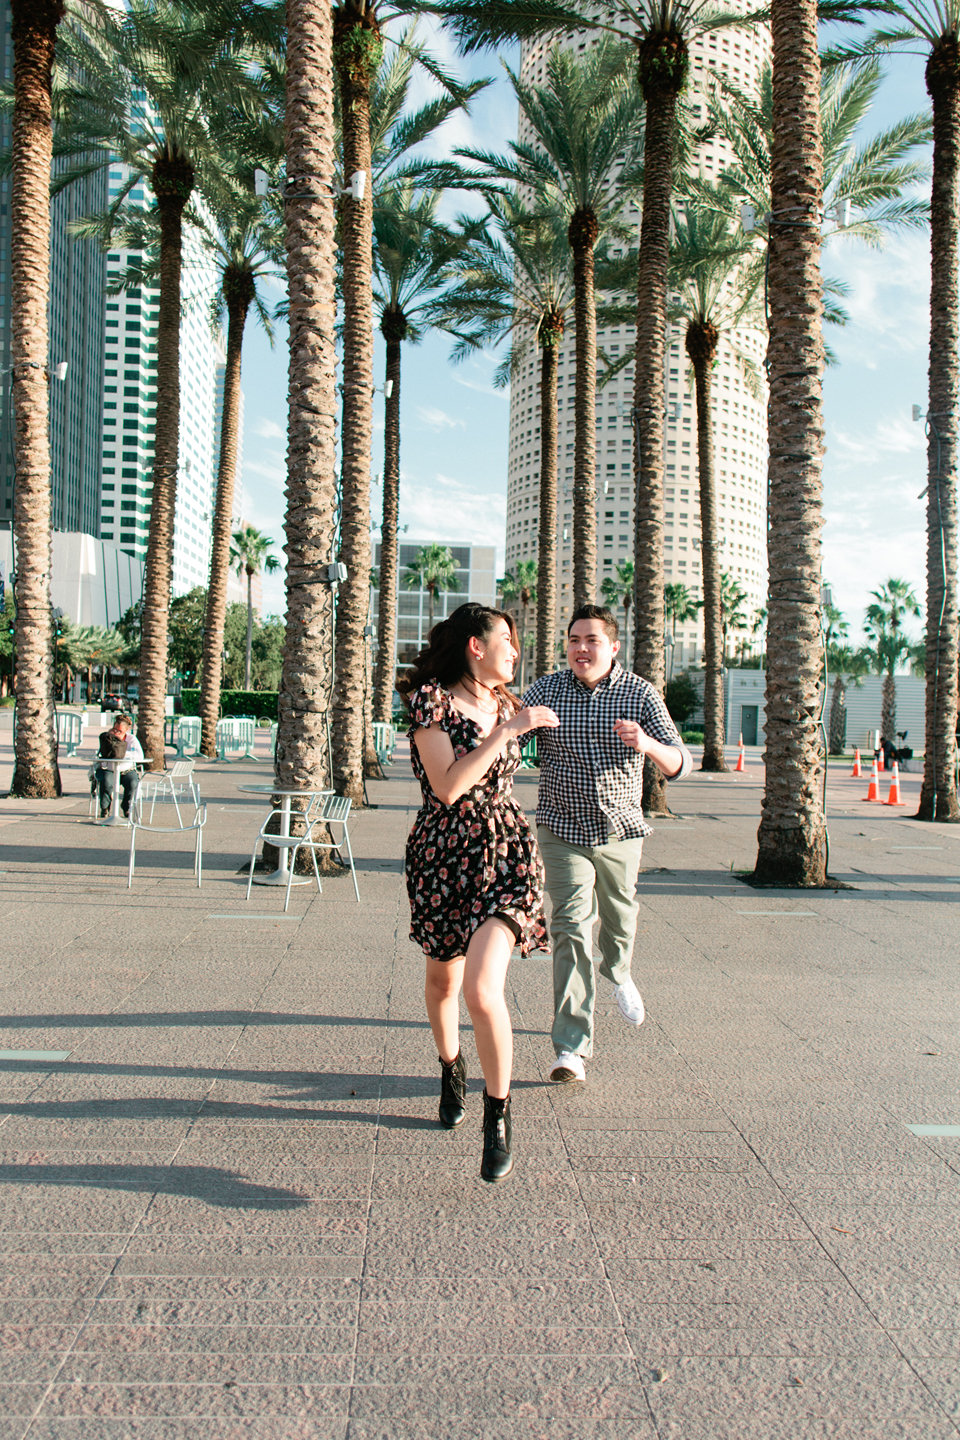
<point x="874" y="792"/>
<point x="894" y="797"/>
<point x="740" y="766"/>
<point x="857" y="772"/>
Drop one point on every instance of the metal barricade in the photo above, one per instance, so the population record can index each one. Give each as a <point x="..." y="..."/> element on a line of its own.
<point x="189" y="732"/>
<point x="384" y="741"/>
<point x="69" y="730"/>
<point x="235" y="738"/>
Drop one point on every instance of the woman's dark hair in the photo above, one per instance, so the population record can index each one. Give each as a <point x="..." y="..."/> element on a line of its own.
<point x="445" y="657"/>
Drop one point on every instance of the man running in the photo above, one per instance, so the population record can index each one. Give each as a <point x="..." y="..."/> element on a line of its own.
<point x="590" y="824"/>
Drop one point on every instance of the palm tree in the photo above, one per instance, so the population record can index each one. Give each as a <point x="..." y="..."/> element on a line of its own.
<point x="243" y="236"/>
<point x="310" y="520"/>
<point x="583" y="160"/>
<point x="518" y="284"/>
<point x="247" y="247"/>
<point x="433" y="569"/>
<point x="191" y="64"/>
<point x="732" y="596"/>
<point x="715" y="294"/>
<point x="847" y="666"/>
<point x="34" y="28"/>
<point x="883" y="623"/>
<point x="869" y="178"/>
<point x="414" y="258"/>
<point x="249" y="553"/>
<point x="617" y="589"/>
<point x="934" y="25"/>
<point x="679" y="606"/>
<point x="357" y="54"/>
<point x="520" y="583"/>
<point x="791" y="832"/>
<point x="661" y="32"/>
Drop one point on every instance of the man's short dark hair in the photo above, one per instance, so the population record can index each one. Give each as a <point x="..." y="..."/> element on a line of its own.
<point x="596" y="612"/>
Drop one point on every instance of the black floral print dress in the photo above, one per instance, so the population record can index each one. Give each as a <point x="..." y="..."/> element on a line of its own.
<point x="476" y="857"/>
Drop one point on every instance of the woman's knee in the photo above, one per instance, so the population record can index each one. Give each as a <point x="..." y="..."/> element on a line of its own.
<point x="442" y="982"/>
<point x="482" y="996"/>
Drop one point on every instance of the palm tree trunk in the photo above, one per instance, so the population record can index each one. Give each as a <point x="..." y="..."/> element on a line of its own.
<point x="303" y="702"/>
<point x="523" y="642"/>
<point x="389" y="547"/>
<point x="357" y="51"/>
<point x="938" y="793"/>
<point x="791" y="833"/>
<point x="550" y="336"/>
<point x="888" y="710"/>
<point x="838" y="716"/>
<point x="582" y="235"/>
<point x="238" y="303"/>
<point x="660" y="94"/>
<point x="702" y="348"/>
<point x="34" y="26"/>
<point x="627" y="602"/>
<point x="172" y="185"/>
<point x="248" y="656"/>
<point x="431" y="595"/>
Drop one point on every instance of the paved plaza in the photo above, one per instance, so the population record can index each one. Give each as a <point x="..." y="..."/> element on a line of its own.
<point x="228" y="1209"/>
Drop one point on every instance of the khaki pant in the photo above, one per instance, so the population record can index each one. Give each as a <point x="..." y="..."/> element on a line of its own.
<point x="582" y="881"/>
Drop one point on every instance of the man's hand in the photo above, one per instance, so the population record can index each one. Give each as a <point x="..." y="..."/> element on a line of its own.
<point x="632" y="735"/>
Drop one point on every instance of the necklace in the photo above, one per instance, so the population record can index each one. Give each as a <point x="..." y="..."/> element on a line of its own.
<point x="493" y="709"/>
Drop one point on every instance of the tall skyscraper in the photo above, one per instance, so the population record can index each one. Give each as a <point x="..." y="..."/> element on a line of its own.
<point x="130" y="407"/>
<point x="75" y="320"/>
<point x="739" y="414"/>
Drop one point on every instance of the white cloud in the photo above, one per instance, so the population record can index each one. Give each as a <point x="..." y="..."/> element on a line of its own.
<point x="438" y="419"/>
<point x="889" y="437"/>
<point x="268" y="429"/>
<point x="275" y="474"/>
<point x="446" y="509"/>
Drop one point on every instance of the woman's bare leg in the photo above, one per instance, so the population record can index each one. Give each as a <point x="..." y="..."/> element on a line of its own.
<point x="484" y="976"/>
<point x="442" y="995"/>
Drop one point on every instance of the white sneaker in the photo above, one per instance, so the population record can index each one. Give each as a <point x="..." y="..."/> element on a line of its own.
<point x="567" y="1067"/>
<point x="631" y="1006"/>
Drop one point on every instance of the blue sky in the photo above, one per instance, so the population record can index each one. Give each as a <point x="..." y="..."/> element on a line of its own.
<point x="455" y="424"/>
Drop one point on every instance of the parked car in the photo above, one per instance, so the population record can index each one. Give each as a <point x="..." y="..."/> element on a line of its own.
<point x="112" y="701"/>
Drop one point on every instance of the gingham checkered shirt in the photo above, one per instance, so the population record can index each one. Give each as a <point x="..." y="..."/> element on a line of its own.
<point x="591" y="784"/>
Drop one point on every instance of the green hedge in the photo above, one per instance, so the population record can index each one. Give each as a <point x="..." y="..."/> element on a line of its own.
<point x="235" y="702"/>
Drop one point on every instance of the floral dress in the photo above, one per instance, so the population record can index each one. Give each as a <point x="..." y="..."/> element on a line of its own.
<point x="475" y="858"/>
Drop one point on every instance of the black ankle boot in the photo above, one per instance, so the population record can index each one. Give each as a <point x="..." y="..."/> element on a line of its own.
<point x="497" y="1136"/>
<point x="453" y="1092"/>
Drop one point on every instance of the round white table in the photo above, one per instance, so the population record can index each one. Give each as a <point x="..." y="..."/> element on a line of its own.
<point x="282" y="873"/>
<point x="115" y="818"/>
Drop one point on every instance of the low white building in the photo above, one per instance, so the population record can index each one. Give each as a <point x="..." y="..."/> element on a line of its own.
<point x="93" y="581"/>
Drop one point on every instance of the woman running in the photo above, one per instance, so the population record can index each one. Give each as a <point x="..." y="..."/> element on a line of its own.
<point x="474" y="874"/>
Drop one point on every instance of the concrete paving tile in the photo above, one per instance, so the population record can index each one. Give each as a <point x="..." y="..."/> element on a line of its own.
<point x="659" y="1341"/>
<point x="19" y="1400"/>
<point x="196" y="1401"/>
<point x="419" y="1401"/>
<point x="169" y="1342"/>
<point x="487" y="1426"/>
<point x="321" y="1311"/>
<point x="189" y="1368"/>
<point x="835" y="1389"/>
<point x="928" y="1342"/>
<point x="131" y="1427"/>
<point x="37" y="1242"/>
<point x="227" y="1289"/>
<point x="517" y="1340"/>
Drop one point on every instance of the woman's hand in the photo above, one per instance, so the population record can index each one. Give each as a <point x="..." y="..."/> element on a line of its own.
<point x="534" y="717"/>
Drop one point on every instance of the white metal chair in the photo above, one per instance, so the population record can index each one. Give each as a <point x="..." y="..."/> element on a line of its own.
<point x="181" y="772"/>
<point x="334" y="810"/>
<point x="136" y="823"/>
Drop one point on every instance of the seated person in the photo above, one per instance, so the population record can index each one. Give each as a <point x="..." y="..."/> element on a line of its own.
<point x="119" y="743"/>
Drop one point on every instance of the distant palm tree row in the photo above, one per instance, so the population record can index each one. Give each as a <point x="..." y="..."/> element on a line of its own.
<point x="315" y="98"/>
